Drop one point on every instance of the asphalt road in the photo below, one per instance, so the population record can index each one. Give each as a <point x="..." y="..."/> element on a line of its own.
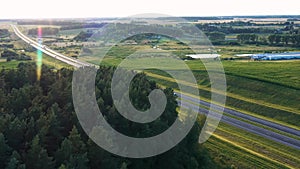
<point x="243" y="116"/>
<point x="246" y="126"/>
<point x="229" y="120"/>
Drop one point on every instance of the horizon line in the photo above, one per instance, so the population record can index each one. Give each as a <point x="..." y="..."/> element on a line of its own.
<point x="187" y="16"/>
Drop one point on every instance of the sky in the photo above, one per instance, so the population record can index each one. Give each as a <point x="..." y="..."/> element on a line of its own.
<point x="13" y="9"/>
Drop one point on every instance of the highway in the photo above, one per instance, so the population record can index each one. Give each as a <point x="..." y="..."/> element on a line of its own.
<point x="242" y="115"/>
<point x="70" y="61"/>
<point x="191" y="103"/>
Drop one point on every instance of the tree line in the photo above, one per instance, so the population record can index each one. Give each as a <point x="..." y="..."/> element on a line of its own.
<point x="273" y="39"/>
<point x="284" y="39"/>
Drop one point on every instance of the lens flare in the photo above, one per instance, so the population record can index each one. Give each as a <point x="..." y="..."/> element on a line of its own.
<point x="39" y="55"/>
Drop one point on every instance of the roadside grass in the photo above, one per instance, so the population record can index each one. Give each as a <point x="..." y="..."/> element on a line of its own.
<point x="228" y="154"/>
<point x="238" y="143"/>
<point x="260" y="144"/>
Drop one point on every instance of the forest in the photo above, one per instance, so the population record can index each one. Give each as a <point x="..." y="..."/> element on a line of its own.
<point x="40" y="130"/>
